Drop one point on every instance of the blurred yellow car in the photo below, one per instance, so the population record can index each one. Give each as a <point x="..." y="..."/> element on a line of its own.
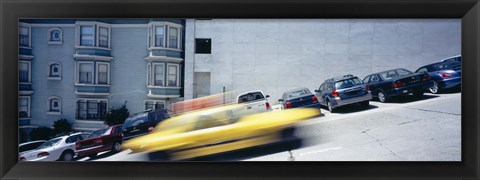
<point x="218" y="130"/>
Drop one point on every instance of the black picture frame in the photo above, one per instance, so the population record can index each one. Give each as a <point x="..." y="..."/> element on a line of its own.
<point x="467" y="10"/>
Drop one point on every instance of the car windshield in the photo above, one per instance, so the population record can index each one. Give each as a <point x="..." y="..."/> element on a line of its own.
<point x="49" y="143"/>
<point x="250" y="97"/>
<point x="298" y="93"/>
<point x="136" y="120"/>
<point x="403" y="72"/>
<point x="101" y="132"/>
<point x="346" y="83"/>
<point x="444" y="65"/>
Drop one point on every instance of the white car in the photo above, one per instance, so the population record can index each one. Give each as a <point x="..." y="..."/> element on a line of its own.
<point x="60" y="148"/>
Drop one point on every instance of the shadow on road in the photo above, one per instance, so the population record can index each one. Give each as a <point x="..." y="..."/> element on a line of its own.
<point x="351" y="108"/>
<point x="410" y="98"/>
<point x="100" y="156"/>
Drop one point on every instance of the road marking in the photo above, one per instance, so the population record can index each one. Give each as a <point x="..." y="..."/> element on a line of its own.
<point x="320" y="151"/>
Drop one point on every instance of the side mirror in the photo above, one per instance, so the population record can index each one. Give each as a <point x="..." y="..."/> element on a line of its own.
<point x="267" y="96"/>
<point x="280" y="100"/>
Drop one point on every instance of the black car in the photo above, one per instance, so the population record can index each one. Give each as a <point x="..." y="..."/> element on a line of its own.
<point x="300" y="97"/>
<point x="396" y="82"/>
<point x="142" y="123"/>
<point x="446" y="74"/>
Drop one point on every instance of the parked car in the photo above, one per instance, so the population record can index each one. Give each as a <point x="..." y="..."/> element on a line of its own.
<point x="343" y="90"/>
<point x="60" y="148"/>
<point x="218" y="130"/>
<point x="453" y="58"/>
<point x="445" y="74"/>
<point x="299" y="97"/>
<point x="105" y="139"/>
<point x="254" y="101"/>
<point x="396" y="82"/>
<point x="142" y="123"/>
<point x="30" y="145"/>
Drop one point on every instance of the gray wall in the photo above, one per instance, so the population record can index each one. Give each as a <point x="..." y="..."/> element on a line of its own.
<point x="277" y="55"/>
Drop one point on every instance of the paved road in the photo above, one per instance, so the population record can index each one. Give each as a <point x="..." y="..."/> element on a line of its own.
<point x="406" y="129"/>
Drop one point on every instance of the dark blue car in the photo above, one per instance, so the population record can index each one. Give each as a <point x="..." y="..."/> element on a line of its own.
<point x="396" y="82"/>
<point x="299" y="97"/>
<point x="445" y="74"/>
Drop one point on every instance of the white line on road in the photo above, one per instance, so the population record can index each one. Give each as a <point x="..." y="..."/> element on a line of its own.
<point x="320" y="151"/>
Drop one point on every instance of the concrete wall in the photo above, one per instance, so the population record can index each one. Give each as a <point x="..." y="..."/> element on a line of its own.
<point x="277" y="55"/>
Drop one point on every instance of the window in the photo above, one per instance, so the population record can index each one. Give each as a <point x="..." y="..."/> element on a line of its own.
<point x="403" y="72"/>
<point x="103" y="37"/>
<point x="54" y="104"/>
<point x="24" y="72"/>
<point x="172" y="75"/>
<point x="173" y="38"/>
<point x="87" y="34"/>
<point x="86" y="73"/>
<point x="102" y="75"/>
<point x="54" y="36"/>
<point x="24" y="36"/>
<point x="24" y="107"/>
<point x="159" y="36"/>
<point x="91" y="109"/>
<point x="374" y="78"/>
<point x="158" y="75"/>
<point x="422" y="70"/>
<point x="154" y="105"/>
<point x="54" y="70"/>
<point x="203" y="46"/>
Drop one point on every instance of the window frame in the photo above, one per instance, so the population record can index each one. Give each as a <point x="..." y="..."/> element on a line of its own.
<point x="23" y="25"/>
<point x="154" y="102"/>
<point x="177" y="74"/>
<point x="153" y="71"/>
<point x="49" y="36"/>
<point x="97" y="72"/>
<point x="203" y="52"/>
<point x="49" y="105"/>
<point x="28" y="106"/>
<point x="81" y="35"/>
<point x="177" y="37"/>
<point x="49" y="71"/>
<point x="166" y="37"/>
<point x="85" y="102"/>
<point x="96" y="34"/>
<point x="77" y="73"/>
<point x="29" y="76"/>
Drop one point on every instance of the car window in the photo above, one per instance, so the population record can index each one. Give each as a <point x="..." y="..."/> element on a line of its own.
<point x="403" y="72"/>
<point x="346" y="83"/>
<point x="30" y="146"/>
<point x="322" y="87"/>
<point x="101" y="132"/>
<point x="389" y="75"/>
<point x="298" y="93"/>
<point x="250" y="97"/>
<point x="374" y="78"/>
<point x="444" y="65"/>
<point x="136" y="120"/>
<point x="366" y="79"/>
<point x="50" y="143"/>
<point x="422" y="70"/>
<point x="117" y="130"/>
<point x="205" y="122"/>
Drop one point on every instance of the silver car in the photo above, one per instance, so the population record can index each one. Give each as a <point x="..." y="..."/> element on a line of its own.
<point x="60" y="148"/>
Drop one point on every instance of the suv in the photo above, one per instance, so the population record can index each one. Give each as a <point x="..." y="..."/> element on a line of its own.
<point x="343" y="90"/>
<point x="142" y="123"/>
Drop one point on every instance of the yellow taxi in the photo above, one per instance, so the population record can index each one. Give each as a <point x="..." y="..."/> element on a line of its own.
<point x="217" y="130"/>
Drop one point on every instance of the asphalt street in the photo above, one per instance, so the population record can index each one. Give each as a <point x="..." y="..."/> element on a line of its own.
<point x="405" y="129"/>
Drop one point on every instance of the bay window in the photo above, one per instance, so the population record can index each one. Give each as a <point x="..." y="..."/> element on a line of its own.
<point x="91" y="109"/>
<point x="159" y="36"/>
<point x="87" y="35"/>
<point x="24" y="72"/>
<point x="103" y="37"/>
<point x="24" y="36"/>
<point x="173" y="38"/>
<point x="86" y="73"/>
<point x="159" y="74"/>
<point x="172" y="75"/>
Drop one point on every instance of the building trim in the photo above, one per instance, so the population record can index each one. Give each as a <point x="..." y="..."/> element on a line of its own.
<point x="25" y="92"/>
<point x="163" y="58"/>
<point x="164" y="87"/>
<point x="91" y="94"/>
<point x="162" y="96"/>
<point x="27" y="57"/>
<point x="92" y="57"/>
<point x="52" y="25"/>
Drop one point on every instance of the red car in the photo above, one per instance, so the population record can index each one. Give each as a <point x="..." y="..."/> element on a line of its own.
<point x="106" y="139"/>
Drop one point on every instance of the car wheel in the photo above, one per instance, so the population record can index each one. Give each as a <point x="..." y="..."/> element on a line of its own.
<point x="116" y="147"/>
<point x="434" y="89"/>
<point x="67" y="156"/>
<point x="381" y="97"/>
<point x="329" y="106"/>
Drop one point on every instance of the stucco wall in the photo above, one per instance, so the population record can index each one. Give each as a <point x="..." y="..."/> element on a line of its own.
<point x="277" y="55"/>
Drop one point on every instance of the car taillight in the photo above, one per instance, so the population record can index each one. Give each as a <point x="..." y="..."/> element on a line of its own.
<point x="267" y="106"/>
<point x="314" y="99"/>
<point x="447" y="75"/>
<point x="22" y="159"/>
<point x="288" y="105"/>
<point x="398" y="84"/>
<point x="150" y="129"/>
<point x="122" y="135"/>
<point x="367" y="87"/>
<point x="98" y="141"/>
<point x="42" y="154"/>
<point x="426" y="78"/>
<point x="335" y="93"/>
